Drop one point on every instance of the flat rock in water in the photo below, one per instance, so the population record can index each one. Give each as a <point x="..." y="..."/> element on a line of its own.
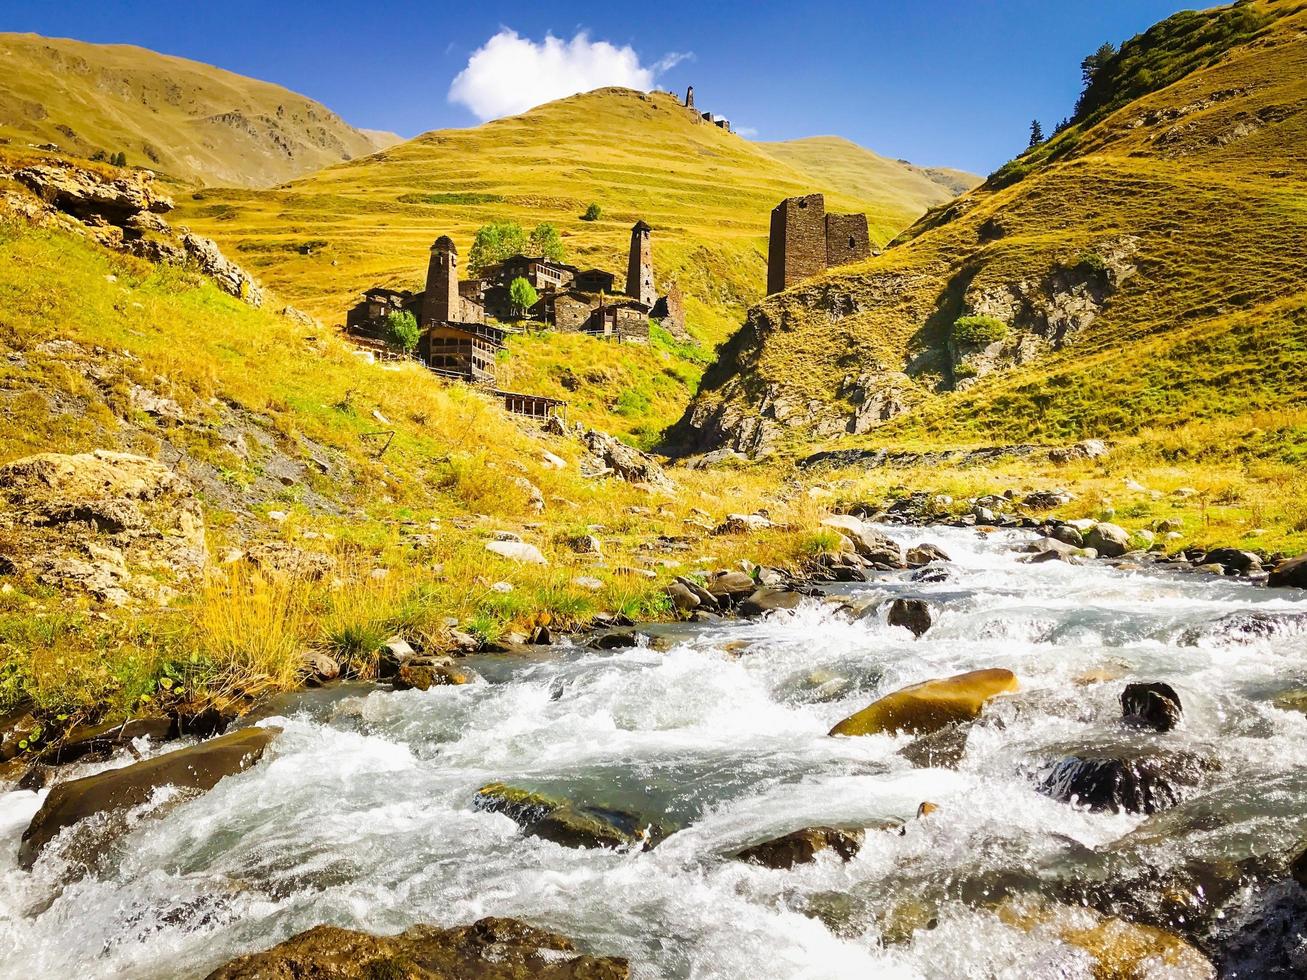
<point x="423" y="673"/>
<point x="803" y="846"/>
<point x="199" y="767"/>
<point x="766" y="600"/>
<point x="930" y="705"/>
<point x="564" y="822"/>
<point x="490" y="949"/>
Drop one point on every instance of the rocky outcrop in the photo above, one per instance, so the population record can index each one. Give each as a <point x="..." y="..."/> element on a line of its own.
<point x="609" y="456"/>
<point x="490" y="949"/>
<point x="930" y="705"/>
<point x="1290" y="573"/>
<point x="121" y="209"/>
<point x="93" y="521"/>
<point x="198" y="768"/>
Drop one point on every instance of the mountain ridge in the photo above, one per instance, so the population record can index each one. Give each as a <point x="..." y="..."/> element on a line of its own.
<point x="189" y="121"/>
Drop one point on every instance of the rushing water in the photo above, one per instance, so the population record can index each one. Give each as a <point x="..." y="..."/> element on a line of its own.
<point x="361" y="813"/>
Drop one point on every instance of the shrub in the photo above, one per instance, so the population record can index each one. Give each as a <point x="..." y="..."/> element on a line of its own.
<point x="977" y="330"/>
<point x="592" y="213"/>
<point x="402" y="330"/>
<point x="1091" y="265"/>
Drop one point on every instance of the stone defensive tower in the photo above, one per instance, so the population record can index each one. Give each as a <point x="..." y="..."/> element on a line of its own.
<point x="796" y="248"/>
<point x="689" y="97"/>
<point x="639" y="267"/>
<point x="441" y="302"/>
<point x="806" y="241"/>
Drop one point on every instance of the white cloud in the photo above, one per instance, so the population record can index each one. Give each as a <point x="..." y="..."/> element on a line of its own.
<point x="510" y="73"/>
<point x="748" y="132"/>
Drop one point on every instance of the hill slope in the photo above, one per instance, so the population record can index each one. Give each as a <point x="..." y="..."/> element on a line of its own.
<point x="189" y="121"/>
<point x="858" y="172"/>
<point x="1142" y="268"/>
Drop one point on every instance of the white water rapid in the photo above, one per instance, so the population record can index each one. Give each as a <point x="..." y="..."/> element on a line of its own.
<point x="361" y="812"/>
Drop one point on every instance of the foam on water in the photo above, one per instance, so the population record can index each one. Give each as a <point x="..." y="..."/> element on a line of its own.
<point x="361" y="813"/>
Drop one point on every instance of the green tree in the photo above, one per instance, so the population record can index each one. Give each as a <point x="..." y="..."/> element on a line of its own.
<point x="119" y="159"/>
<point x="494" y="243"/>
<point x="1094" y="63"/>
<point x="402" y="330"/>
<point x="546" y="241"/>
<point x="1036" y="133"/>
<point x="592" y="213"/>
<point x="523" y="295"/>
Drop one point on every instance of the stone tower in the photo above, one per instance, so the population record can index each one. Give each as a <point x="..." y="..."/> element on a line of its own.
<point x="796" y="248"/>
<point x="689" y="97"/>
<point x="639" y="267"/>
<point x="441" y="301"/>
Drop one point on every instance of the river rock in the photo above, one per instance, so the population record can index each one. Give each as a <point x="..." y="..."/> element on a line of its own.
<point x="942" y="749"/>
<point x="1247" y="627"/>
<point x="930" y="705"/>
<point x="1124" y="778"/>
<point x="731" y="585"/>
<point x="682" y="597"/>
<point x="1109" y="540"/>
<point x="1066" y="534"/>
<point x="1234" y="561"/>
<point x="102" y="740"/>
<point x="924" y="554"/>
<point x="423" y="673"/>
<point x="90" y="521"/>
<point x="199" y="767"/>
<point x="490" y="949"/>
<point x="564" y="822"/>
<point x="1153" y="705"/>
<point x="803" y="846"/>
<point x="912" y="614"/>
<point x="768" y="600"/>
<point x="707" y="601"/>
<point x="1292" y="572"/>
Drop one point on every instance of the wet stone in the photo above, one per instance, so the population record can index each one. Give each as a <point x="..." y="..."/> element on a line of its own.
<point x="803" y="846"/>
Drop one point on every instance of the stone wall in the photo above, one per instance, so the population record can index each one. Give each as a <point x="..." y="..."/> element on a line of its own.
<point x="847" y="239"/>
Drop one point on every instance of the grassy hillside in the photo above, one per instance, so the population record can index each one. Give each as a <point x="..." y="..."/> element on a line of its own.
<point x="1145" y="266"/>
<point x="189" y="121"/>
<point x="282" y="431"/>
<point x="858" y="172"/>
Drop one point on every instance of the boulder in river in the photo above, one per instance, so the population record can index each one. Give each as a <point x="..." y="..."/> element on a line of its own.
<point x="912" y="614"/>
<point x="564" y="822"/>
<point x="930" y="705"/>
<point x="1152" y="705"/>
<point x="767" y="600"/>
<point x="1291" y="572"/>
<point x="424" y="673"/>
<point x="1109" y="540"/>
<point x="924" y="554"/>
<point x="1125" y="779"/>
<point x="803" y="846"/>
<point x="490" y="949"/>
<point x="1234" y="561"/>
<point x="199" y="767"/>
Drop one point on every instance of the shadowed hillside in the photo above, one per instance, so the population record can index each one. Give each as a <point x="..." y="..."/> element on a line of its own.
<point x="1142" y="268"/>
<point x="188" y="121"/>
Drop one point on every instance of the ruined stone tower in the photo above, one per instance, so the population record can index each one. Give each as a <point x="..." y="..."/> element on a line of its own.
<point x="639" y="267"/>
<point x="806" y="241"/>
<point x="689" y="97"/>
<point x="441" y="301"/>
<point x="796" y="248"/>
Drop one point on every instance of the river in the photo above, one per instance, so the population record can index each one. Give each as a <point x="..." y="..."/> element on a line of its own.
<point x="361" y="813"/>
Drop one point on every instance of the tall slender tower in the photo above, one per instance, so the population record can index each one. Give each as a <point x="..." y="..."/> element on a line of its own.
<point x="639" y="267"/>
<point x="689" y="97"/>
<point x="441" y="301"/>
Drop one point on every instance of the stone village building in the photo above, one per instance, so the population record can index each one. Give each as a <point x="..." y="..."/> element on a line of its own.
<point x="458" y="341"/>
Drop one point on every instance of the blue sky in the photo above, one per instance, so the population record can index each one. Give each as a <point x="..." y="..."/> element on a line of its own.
<point x="939" y="83"/>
